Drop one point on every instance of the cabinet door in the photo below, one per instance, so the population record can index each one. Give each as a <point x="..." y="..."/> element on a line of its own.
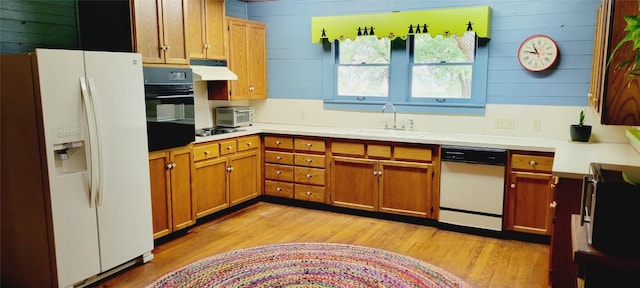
<point x="257" y="60"/>
<point x="405" y="188"/>
<point x="244" y="177"/>
<point x="210" y="189"/>
<point x="182" y="201"/>
<point x="215" y="29"/>
<point x="149" y="38"/>
<point x="160" y="194"/>
<point x="354" y="183"/>
<point x="563" y="272"/>
<point x="206" y="26"/>
<point x="238" y="61"/>
<point x="528" y="200"/>
<point x="175" y="23"/>
<point x="196" y="29"/>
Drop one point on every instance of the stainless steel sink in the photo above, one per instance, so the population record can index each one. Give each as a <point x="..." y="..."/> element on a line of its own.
<point x="389" y="133"/>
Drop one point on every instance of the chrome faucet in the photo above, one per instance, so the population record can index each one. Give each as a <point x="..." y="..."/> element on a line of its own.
<point x="394" y="113"/>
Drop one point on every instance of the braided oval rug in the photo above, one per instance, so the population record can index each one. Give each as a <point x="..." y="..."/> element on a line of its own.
<point x="309" y="265"/>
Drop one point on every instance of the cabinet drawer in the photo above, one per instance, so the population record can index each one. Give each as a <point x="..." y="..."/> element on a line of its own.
<point x="246" y="143"/>
<point x="278" y="142"/>
<point x="309" y="193"/>
<point x="228" y="147"/>
<point x="313" y="176"/>
<point x="531" y="162"/>
<point x="307" y="160"/>
<point x="379" y="151"/>
<point x="412" y="153"/>
<point x="278" y="172"/>
<point x="277" y="188"/>
<point x="347" y="148"/>
<point x="276" y="157"/>
<point x="206" y="151"/>
<point x="302" y="144"/>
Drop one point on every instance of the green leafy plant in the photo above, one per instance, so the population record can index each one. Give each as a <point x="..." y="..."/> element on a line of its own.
<point x="581" y="122"/>
<point x="633" y="35"/>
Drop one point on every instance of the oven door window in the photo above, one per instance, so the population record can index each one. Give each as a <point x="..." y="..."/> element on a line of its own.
<point x="170" y="116"/>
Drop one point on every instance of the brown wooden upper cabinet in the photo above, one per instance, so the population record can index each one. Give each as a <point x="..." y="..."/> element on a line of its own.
<point x="612" y="93"/>
<point x="160" y="28"/>
<point x="248" y="58"/>
<point x="206" y="37"/>
<point x="154" y="28"/>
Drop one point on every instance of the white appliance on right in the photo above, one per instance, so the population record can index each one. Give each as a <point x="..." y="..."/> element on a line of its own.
<point x="472" y="186"/>
<point x="76" y="199"/>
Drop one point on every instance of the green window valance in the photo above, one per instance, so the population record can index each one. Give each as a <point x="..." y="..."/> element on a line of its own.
<point x="444" y="22"/>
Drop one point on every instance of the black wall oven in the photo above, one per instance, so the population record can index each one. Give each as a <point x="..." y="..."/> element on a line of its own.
<point x="169" y="106"/>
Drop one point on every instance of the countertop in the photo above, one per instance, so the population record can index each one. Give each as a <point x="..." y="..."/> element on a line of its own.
<point x="571" y="158"/>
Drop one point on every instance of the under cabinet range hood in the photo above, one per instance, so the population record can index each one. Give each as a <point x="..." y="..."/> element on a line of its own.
<point x="211" y="70"/>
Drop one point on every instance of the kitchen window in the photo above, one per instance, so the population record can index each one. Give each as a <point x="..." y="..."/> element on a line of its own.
<point x="420" y="74"/>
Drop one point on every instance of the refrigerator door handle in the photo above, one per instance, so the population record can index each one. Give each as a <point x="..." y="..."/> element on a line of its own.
<point x="88" y="107"/>
<point x="93" y="92"/>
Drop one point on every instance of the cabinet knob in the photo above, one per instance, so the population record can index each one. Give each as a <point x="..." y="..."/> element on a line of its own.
<point x="228" y="168"/>
<point x="249" y="144"/>
<point x="309" y="145"/>
<point x="228" y="147"/>
<point x="251" y="88"/>
<point x="532" y="163"/>
<point x="167" y="48"/>
<point x="278" y="158"/>
<point x="553" y="204"/>
<point x="278" y="189"/>
<point x="278" y="172"/>
<point x="513" y="185"/>
<point x="309" y="193"/>
<point x="309" y="176"/>
<point x="278" y="142"/>
<point x="206" y="152"/>
<point x="171" y="165"/>
<point x="309" y="161"/>
<point x="375" y="173"/>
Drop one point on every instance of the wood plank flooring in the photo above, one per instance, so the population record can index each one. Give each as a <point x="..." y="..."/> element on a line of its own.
<point x="482" y="261"/>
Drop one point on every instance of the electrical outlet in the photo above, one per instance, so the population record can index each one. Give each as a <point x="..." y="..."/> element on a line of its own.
<point x="499" y="123"/>
<point x="536" y="125"/>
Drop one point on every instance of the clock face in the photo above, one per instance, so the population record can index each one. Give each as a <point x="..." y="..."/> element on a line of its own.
<point x="538" y="53"/>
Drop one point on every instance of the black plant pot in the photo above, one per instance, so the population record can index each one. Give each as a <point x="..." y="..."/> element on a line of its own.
<point x="580" y="133"/>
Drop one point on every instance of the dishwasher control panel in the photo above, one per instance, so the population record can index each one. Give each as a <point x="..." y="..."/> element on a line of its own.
<point x="474" y="155"/>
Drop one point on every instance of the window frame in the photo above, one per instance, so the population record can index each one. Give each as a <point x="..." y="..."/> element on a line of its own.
<point x="400" y="84"/>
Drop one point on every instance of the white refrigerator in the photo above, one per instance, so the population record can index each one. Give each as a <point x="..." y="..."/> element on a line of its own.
<point x="92" y="129"/>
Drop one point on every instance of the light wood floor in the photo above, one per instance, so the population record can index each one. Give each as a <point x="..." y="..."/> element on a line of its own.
<point x="481" y="261"/>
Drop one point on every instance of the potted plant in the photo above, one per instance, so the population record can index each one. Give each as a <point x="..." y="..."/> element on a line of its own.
<point x="580" y="132"/>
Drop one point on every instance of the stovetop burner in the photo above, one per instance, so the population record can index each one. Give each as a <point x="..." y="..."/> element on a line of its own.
<point x="215" y="131"/>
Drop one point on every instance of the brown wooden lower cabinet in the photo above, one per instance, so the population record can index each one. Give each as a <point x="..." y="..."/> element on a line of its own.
<point x="172" y="202"/>
<point x="563" y="272"/>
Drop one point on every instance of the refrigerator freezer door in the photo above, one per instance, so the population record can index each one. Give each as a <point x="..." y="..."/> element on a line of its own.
<point x="74" y="220"/>
<point x="124" y="199"/>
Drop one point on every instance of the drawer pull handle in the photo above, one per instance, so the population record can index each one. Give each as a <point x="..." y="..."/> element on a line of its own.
<point x="206" y="152"/>
<point x="278" y="158"/>
<point x="278" y="172"/>
<point x="309" y="161"/>
<point x="309" y="145"/>
<point x="228" y="147"/>
<point x="309" y="193"/>
<point x="532" y="163"/>
<point x="248" y="143"/>
<point x="278" y="189"/>
<point x="553" y="204"/>
<point x="278" y="142"/>
<point x="513" y="185"/>
<point x="309" y="175"/>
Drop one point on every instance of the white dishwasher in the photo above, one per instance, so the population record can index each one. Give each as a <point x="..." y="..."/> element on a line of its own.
<point x="472" y="186"/>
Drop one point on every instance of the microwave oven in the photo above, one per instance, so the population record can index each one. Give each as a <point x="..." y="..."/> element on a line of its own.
<point x="234" y="116"/>
<point x="610" y="197"/>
